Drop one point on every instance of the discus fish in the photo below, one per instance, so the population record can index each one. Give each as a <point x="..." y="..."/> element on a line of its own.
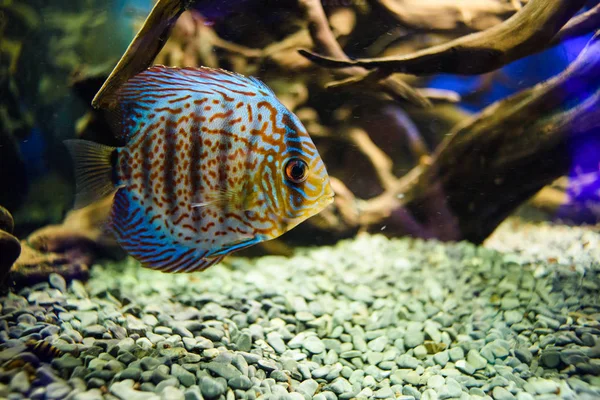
<point x="214" y="163"/>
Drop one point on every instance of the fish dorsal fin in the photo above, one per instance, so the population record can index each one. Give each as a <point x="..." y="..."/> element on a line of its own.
<point x="140" y="239"/>
<point x="160" y="88"/>
<point x="160" y="84"/>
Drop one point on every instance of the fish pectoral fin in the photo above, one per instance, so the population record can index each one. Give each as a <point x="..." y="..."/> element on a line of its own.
<point x="227" y="199"/>
<point x="235" y="246"/>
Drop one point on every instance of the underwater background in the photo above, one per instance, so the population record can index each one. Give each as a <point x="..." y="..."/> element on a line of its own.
<point x="460" y="257"/>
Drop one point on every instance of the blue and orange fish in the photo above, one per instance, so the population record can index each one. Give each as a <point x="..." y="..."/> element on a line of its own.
<point x="214" y="163"/>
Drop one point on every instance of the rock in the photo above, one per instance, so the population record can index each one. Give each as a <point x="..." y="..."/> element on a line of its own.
<point x="435" y="381"/>
<point x="10" y="249"/>
<point x="57" y="390"/>
<point x="441" y="358"/>
<point x="509" y="303"/>
<point x="211" y="388"/>
<point x="340" y="386"/>
<point x="550" y="358"/>
<point x="184" y="377"/>
<point x="413" y="338"/>
<point x="456" y="353"/>
<point x="524" y="355"/>
<point x="274" y="339"/>
<point x="57" y="281"/>
<point x="308" y="387"/>
<point x="429" y="394"/>
<point x="313" y="344"/>
<point x="406" y="361"/>
<point x="476" y="360"/>
<point x="171" y="393"/>
<point x="378" y="344"/>
<point x="500" y="393"/>
<point x="465" y="367"/>
<point x="240" y="382"/>
<point x="20" y="383"/>
<point x="124" y="391"/>
<point x="224" y="370"/>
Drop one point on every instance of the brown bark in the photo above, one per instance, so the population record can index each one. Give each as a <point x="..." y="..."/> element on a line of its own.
<point x="527" y="32"/>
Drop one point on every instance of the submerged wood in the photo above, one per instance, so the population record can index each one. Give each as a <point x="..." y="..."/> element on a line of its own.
<point x="525" y="33"/>
<point x="497" y="160"/>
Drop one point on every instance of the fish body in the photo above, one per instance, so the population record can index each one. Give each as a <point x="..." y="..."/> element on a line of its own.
<point x="213" y="163"/>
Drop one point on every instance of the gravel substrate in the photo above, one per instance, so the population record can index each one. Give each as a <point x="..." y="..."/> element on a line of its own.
<point x="370" y="318"/>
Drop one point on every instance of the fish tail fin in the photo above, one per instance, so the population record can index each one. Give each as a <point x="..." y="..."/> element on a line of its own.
<point x="94" y="166"/>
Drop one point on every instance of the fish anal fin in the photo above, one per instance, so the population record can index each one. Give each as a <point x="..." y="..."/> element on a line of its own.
<point x="141" y="240"/>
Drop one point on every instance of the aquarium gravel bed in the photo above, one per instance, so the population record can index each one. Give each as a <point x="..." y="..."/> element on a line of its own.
<point x="370" y="318"/>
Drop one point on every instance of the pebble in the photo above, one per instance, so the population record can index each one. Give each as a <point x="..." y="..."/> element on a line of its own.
<point x="328" y="334"/>
<point x="314" y="345"/>
<point x="550" y="358"/>
<point x="476" y="360"/>
<point x="499" y="393"/>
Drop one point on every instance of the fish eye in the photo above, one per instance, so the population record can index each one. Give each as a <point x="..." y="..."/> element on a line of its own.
<point x="296" y="170"/>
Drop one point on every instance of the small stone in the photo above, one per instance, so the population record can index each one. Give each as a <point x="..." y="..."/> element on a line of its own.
<point x="274" y="339"/>
<point x="456" y="353"/>
<point x="171" y="393"/>
<point x="413" y="338"/>
<point x="124" y="391"/>
<point x="524" y="355"/>
<point x="406" y="361"/>
<point x="509" y="303"/>
<point x="550" y="358"/>
<point x="450" y="389"/>
<point x="435" y="381"/>
<point x="58" y="282"/>
<point x="383" y="393"/>
<point x="57" y="390"/>
<point x="244" y="342"/>
<point x="573" y="356"/>
<point x="378" y="344"/>
<point x="541" y="386"/>
<point x="441" y="358"/>
<point x="308" y="387"/>
<point x="500" y="393"/>
<point x="476" y="360"/>
<point x="20" y="382"/>
<point x="184" y="377"/>
<point x="131" y="373"/>
<point x="240" y="382"/>
<point x="314" y="345"/>
<point x="193" y="393"/>
<point x="429" y="394"/>
<point x="512" y="317"/>
<point x="340" y="386"/>
<point x="465" y="367"/>
<point x="213" y="334"/>
<point x="226" y="371"/>
<point x="211" y="388"/>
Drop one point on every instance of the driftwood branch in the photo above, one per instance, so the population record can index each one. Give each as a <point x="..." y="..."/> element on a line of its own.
<point x="143" y="49"/>
<point x="528" y="31"/>
<point x="496" y="161"/>
<point x="325" y="41"/>
<point x="491" y="163"/>
<point x="449" y="15"/>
